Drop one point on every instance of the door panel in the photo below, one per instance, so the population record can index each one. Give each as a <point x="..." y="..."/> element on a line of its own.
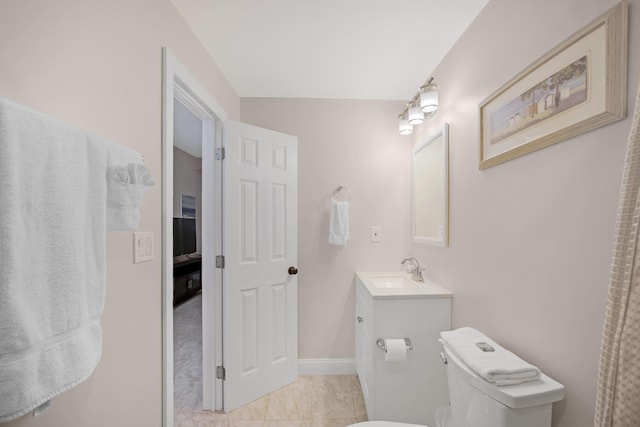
<point x="260" y="244"/>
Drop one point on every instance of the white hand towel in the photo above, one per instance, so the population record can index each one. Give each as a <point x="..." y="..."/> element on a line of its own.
<point x="53" y="198"/>
<point x="500" y="366"/>
<point x="127" y="181"/>
<point x="339" y="223"/>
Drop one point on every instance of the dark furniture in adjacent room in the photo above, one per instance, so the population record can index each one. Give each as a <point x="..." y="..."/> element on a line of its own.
<point x="186" y="279"/>
<point x="186" y="263"/>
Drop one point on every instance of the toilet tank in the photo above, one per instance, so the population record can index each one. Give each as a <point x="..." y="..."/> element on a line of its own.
<point x="478" y="403"/>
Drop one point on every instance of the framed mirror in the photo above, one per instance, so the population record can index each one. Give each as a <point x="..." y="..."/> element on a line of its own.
<point x="430" y="189"/>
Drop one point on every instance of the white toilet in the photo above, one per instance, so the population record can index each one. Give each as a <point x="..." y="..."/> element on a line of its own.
<point x="476" y="402"/>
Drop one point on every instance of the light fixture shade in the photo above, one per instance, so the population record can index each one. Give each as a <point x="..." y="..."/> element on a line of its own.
<point x="429" y="98"/>
<point x="416" y="116"/>
<point x="404" y="127"/>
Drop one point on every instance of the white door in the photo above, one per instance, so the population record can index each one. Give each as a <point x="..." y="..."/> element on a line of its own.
<point x="260" y="348"/>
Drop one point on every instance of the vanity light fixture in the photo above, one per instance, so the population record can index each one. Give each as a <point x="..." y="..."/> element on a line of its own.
<point x="424" y="105"/>
<point x="416" y="116"/>
<point x="429" y="98"/>
<point x="404" y="127"/>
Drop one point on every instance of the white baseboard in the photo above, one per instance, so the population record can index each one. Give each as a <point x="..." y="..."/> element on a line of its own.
<point x="326" y="367"/>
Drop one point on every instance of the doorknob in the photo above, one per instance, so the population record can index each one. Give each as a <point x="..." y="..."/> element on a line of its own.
<point x="293" y="271"/>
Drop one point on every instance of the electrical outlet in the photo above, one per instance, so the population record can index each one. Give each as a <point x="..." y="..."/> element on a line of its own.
<point x="142" y="246"/>
<point x="376" y="234"/>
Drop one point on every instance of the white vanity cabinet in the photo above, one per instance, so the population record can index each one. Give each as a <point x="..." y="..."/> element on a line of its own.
<point x="411" y="390"/>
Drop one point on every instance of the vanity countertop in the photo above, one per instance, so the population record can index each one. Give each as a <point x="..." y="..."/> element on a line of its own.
<point x="398" y="284"/>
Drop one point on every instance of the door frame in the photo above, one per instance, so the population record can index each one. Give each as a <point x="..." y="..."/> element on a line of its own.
<point x="177" y="82"/>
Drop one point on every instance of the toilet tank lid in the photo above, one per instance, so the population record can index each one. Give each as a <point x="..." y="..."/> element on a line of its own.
<point x="533" y="393"/>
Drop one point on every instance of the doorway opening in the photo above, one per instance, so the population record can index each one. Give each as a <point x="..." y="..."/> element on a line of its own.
<point x="185" y="101"/>
<point x="187" y="261"/>
<point x="259" y="254"/>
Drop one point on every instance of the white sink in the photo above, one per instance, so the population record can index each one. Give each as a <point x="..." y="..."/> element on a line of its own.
<point x="397" y="282"/>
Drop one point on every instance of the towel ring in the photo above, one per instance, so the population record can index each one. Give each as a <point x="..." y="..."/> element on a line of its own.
<point x="338" y="190"/>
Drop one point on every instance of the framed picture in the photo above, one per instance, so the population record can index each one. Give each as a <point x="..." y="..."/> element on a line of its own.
<point x="187" y="206"/>
<point x="578" y="86"/>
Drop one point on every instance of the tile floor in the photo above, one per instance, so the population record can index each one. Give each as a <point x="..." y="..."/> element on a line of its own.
<point x="312" y="401"/>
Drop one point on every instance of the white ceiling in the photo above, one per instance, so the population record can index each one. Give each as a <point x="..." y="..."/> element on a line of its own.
<point x="342" y="49"/>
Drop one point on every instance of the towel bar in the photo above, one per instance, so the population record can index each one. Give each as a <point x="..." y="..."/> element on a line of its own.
<point x="380" y="344"/>
<point x="338" y="190"/>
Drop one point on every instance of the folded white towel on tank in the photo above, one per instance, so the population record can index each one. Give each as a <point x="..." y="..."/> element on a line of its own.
<point x="500" y="366"/>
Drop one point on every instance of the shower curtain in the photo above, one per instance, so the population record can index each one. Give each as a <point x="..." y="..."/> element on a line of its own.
<point x="618" y="397"/>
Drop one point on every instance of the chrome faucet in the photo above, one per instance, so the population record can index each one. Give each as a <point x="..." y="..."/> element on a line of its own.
<point x="417" y="271"/>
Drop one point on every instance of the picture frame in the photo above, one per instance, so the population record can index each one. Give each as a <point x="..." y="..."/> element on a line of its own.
<point x="578" y="86"/>
<point x="187" y="206"/>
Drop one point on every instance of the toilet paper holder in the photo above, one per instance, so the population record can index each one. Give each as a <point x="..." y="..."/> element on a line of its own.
<point x="380" y="344"/>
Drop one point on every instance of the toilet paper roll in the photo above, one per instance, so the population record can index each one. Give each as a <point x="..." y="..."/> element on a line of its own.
<point x="396" y="350"/>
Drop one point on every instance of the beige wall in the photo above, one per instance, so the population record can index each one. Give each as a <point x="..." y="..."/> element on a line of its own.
<point x="531" y="239"/>
<point x="187" y="179"/>
<point x="98" y="65"/>
<point x="354" y="144"/>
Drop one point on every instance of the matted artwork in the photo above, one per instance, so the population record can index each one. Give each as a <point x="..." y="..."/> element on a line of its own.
<point x="187" y="206"/>
<point x="578" y="86"/>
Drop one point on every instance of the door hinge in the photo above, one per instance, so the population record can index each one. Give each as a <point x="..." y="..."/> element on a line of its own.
<point x="220" y="373"/>
<point x="220" y="153"/>
<point x="220" y="261"/>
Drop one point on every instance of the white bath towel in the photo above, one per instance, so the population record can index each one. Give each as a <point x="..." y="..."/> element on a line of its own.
<point x="500" y="366"/>
<point x="53" y="198"/>
<point x="339" y="223"/>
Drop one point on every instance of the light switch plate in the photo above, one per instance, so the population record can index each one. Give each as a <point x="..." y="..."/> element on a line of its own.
<point x="142" y="246"/>
<point x="376" y="234"/>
